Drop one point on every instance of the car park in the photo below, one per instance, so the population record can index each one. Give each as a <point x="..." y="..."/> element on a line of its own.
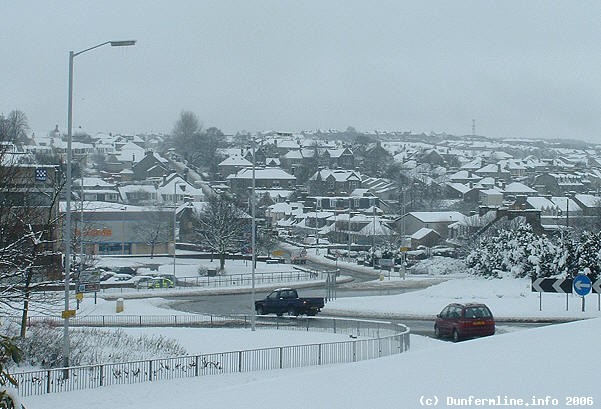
<point x="460" y="321"/>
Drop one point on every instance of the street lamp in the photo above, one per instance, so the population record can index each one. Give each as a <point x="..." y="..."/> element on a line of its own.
<point x="253" y="313"/>
<point x="182" y="187"/>
<point x="68" y="183"/>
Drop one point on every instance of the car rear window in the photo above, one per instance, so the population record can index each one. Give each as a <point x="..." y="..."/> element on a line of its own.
<point x="477" y="312"/>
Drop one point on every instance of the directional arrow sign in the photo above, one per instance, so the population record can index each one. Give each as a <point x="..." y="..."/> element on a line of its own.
<point x="597" y="286"/>
<point x="552" y="285"/>
<point x="582" y="285"/>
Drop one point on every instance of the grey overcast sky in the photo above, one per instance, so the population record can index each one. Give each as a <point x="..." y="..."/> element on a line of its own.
<point x="519" y="68"/>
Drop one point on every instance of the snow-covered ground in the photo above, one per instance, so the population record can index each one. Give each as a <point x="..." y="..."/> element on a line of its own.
<point x="558" y="361"/>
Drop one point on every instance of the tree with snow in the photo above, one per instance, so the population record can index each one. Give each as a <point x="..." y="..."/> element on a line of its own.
<point x="220" y="226"/>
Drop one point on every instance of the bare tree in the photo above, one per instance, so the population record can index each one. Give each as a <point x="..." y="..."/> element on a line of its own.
<point x="185" y="131"/>
<point x="154" y="229"/>
<point x="14" y="127"/>
<point x="29" y="251"/>
<point x="220" y="227"/>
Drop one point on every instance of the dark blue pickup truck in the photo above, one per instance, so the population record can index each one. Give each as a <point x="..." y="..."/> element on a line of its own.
<point x="286" y="301"/>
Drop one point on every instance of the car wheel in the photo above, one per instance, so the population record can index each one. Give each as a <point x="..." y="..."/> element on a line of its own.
<point x="292" y="312"/>
<point x="436" y="331"/>
<point x="259" y="310"/>
<point x="456" y="336"/>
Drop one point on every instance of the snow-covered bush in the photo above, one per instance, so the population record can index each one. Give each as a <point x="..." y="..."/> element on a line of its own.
<point x="516" y="251"/>
<point x="90" y="346"/>
<point x="513" y="251"/>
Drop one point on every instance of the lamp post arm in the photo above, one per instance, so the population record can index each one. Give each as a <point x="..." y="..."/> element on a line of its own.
<point x="75" y="54"/>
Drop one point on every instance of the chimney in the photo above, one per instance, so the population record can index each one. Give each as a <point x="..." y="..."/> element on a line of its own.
<point x="164" y="179"/>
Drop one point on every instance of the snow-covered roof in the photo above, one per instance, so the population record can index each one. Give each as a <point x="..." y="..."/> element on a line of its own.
<point x="138" y="188"/>
<point x="92" y="182"/>
<point x="262" y="173"/>
<point x="589" y="200"/>
<point x="340" y="175"/>
<point x="460" y="187"/>
<point x="376" y="227"/>
<point x="541" y="203"/>
<point x="235" y="161"/>
<point x="423" y="232"/>
<point x="464" y="174"/>
<point x="517" y="187"/>
<point x="274" y="193"/>
<point x="562" y="202"/>
<point x="437" y="217"/>
<point x="286" y="208"/>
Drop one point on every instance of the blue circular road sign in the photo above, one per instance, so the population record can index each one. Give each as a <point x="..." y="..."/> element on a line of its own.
<point x="582" y="285"/>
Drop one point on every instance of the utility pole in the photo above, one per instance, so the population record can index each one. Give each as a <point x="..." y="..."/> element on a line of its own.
<point x="349" y="227"/>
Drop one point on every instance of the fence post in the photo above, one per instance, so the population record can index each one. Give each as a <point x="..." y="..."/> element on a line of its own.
<point x="196" y="365"/>
<point x="48" y="382"/>
<point x="150" y="370"/>
<point x="319" y="355"/>
<point x="239" y="361"/>
<point x="334" y="325"/>
<point x="281" y="356"/>
<point x="354" y="351"/>
<point x="101" y="369"/>
<point x="140" y="320"/>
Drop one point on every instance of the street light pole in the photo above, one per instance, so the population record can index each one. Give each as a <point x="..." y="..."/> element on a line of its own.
<point x="68" y="189"/>
<point x="174" y="223"/>
<point x="253" y="313"/>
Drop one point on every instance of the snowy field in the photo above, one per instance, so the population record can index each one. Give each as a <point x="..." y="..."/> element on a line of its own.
<point x="549" y="366"/>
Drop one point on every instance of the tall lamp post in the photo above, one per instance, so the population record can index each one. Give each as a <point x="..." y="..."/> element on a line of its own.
<point x="68" y="183"/>
<point x="182" y="187"/>
<point x="253" y="312"/>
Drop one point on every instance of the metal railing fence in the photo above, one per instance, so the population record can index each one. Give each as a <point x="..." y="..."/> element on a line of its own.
<point x="232" y="280"/>
<point x="378" y="339"/>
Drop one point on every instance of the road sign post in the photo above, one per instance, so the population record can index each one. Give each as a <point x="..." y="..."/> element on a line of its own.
<point x="552" y="285"/>
<point x="582" y="287"/>
<point x="597" y="289"/>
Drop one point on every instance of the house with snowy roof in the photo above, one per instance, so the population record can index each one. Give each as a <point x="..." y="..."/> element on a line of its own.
<point x="338" y="158"/>
<point x="491" y="197"/>
<point x="544" y="204"/>
<point x="590" y="204"/>
<point x="555" y="183"/>
<point x="494" y="170"/>
<point x="96" y="189"/>
<point x="465" y="177"/>
<point x="232" y="164"/>
<point x="265" y="178"/>
<point x="152" y="165"/>
<point x="282" y="210"/>
<point x="334" y="182"/>
<point x="439" y="221"/>
<point x="139" y="193"/>
<point x="516" y="188"/>
<point x="425" y="237"/>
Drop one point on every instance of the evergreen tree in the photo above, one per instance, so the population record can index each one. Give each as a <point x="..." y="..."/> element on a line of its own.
<point x="587" y="254"/>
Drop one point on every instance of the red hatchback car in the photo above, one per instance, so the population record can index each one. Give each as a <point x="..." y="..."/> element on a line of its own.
<point x="461" y="321"/>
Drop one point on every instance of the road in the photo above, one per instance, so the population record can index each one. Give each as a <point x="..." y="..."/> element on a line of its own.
<point x="361" y="286"/>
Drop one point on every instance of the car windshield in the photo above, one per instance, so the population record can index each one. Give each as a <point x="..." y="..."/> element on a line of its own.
<point x="477" y="312"/>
